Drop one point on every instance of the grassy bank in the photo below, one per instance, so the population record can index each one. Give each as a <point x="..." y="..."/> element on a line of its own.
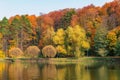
<point x="66" y="60"/>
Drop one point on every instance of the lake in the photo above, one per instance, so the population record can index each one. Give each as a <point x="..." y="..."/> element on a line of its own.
<point x="58" y="71"/>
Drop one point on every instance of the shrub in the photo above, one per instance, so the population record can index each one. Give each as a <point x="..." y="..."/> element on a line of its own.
<point x="15" y="53"/>
<point x="2" y="54"/>
<point x="102" y="52"/>
<point x="32" y="52"/>
<point x="49" y="51"/>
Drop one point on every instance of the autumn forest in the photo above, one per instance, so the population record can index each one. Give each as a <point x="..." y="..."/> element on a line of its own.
<point x="87" y="31"/>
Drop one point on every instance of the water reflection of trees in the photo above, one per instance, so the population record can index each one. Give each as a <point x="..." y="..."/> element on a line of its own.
<point x="2" y="70"/>
<point x="20" y="71"/>
<point x="49" y="72"/>
<point x="38" y="71"/>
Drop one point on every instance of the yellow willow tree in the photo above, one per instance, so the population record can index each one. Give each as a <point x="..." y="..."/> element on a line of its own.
<point x="77" y="40"/>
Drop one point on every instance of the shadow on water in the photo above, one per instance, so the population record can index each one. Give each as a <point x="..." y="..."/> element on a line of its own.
<point x="58" y="71"/>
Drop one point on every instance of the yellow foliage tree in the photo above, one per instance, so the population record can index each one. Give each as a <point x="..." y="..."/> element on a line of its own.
<point x="47" y="36"/>
<point x="78" y="40"/>
<point x="61" y="49"/>
<point x="59" y="41"/>
<point x="72" y="41"/>
<point x="112" y="39"/>
<point x="2" y="54"/>
<point x="85" y="45"/>
<point x="59" y="37"/>
<point x="1" y="35"/>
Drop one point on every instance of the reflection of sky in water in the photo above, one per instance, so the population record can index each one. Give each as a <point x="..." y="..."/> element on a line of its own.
<point x="37" y="71"/>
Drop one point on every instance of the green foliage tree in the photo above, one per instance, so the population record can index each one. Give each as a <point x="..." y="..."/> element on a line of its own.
<point x="100" y="41"/>
<point x="66" y="19"/>
<point x="25" y="32"/>
<point x="37" y="36"/>
<point x="21" y="35"/>
<point x="15" y="28"/>
<point x="4" y="30"/>
<point x="117" y="48"/>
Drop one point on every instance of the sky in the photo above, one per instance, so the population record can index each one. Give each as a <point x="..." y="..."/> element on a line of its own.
<point x="13" y="7"/>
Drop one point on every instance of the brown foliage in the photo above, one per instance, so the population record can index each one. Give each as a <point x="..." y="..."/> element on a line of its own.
<point x="13" y="17"/>
<point x="49" y="51"/>
<point x="74" y="20"/>
<point x="15" y="53"/>
<point x="33" y="21"/>
<point x="32" y="52"/>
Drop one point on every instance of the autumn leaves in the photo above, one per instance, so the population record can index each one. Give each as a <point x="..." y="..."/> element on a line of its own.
<point x="72" y="32"/>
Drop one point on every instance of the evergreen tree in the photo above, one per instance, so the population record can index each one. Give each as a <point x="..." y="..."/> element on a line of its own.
<point x="100" y="41"/>
<point x="4" y="30"/>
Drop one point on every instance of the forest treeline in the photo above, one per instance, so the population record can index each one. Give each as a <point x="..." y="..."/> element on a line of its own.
<point x="90" y="31"/>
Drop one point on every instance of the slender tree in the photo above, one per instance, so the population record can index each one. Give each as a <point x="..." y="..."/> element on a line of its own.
<point x="4" y="30"/>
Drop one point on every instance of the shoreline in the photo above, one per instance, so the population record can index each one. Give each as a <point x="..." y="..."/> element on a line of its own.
<point x="64" y="60"/>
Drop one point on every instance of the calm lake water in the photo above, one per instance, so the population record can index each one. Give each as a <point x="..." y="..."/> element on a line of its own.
<point x="58" y="71"/>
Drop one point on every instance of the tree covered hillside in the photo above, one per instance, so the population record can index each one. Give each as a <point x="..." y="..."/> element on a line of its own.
<point x="72" y="32"/>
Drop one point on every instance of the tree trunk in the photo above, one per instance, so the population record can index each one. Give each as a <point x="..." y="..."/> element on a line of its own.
<point x="5" y="45"/>
<point x="21" y="39"/>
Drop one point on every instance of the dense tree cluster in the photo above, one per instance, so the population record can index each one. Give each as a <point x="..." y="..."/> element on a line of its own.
<point x="73" y="32"/>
